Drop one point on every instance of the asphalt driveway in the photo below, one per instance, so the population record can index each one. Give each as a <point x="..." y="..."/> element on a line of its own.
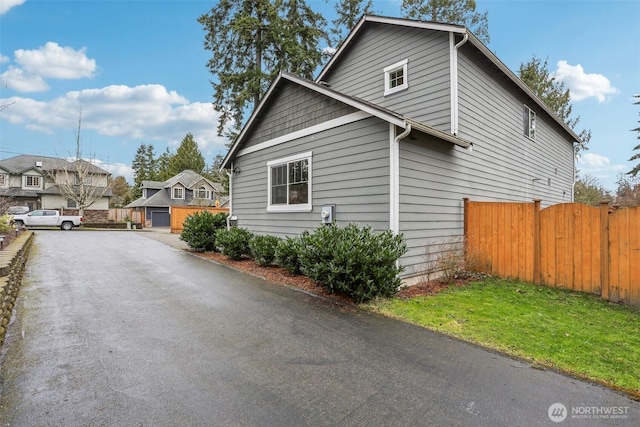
<point x="119" y="329"/>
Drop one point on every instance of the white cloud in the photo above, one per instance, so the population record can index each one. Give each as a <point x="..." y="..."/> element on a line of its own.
<point x="4" y="59"/>
<point x="582" y="85"/>
<point x="54" y="61"/>
<point x="592" y="160"/>
<point x="5" y="5"/>
<point x="16" y="79"/>
<point x="49" y="61"/>
<point x="141" y="113"/>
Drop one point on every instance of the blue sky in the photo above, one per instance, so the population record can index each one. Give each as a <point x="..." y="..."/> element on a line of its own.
<point x="138" y="71"/>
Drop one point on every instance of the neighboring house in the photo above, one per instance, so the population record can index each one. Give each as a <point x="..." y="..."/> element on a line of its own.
<point x="187" y="188"/>
<point x="34" y="181"/>
<point x="406" y="120"/>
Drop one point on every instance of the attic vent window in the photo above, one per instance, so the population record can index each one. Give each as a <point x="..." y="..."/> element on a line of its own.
<point x="529" y="123"/>
<point x="395" y="77"/>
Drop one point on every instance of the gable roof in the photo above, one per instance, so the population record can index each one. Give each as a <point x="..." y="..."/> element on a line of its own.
<point x="24" y="162"/>
<point x="451" y="28"/>
<point x="360" y="104"/>
<point x="187" y="178"/>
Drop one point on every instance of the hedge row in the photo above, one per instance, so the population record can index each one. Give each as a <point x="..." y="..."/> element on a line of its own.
<point x="352" y="260"/>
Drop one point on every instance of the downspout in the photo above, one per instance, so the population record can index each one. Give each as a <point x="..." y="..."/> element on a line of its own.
<point x="394" y="190"/>
<point x="230" y="175"/>
<point x="454" y="81"/>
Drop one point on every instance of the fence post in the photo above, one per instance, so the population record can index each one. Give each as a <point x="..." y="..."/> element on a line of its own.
<point x="604" y="250"/>
<point x="466" y="218"/>
<point x="536" y="242"/>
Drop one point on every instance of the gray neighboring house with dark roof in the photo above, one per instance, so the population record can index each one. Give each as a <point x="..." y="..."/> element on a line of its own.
<point x="187" y="188"/>
<point x="407" y="119"/>
<point x="33" y="181"/>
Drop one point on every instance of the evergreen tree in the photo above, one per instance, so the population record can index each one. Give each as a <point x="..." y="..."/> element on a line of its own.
<point x="535" y="74"/>
<point x="164" y="168"/>
<point x="460" y="12"/>
<point x="145" y="168"/>
<point x="348" y="13"/>
<point x="187" y="156"/>
<point x="636" y="170"/>
<point x="251" y="41"/>
<point x="121" y="192"/>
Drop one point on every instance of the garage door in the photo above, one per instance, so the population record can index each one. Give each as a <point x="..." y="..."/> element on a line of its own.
<point x="160" y="219"/>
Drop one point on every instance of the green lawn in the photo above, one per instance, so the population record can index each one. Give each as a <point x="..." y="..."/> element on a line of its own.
<point x="573" y="332"/>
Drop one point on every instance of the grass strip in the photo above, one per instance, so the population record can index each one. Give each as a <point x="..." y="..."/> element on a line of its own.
<point x="572" y="332"/>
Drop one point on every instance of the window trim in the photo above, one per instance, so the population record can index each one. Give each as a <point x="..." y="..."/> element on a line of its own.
<point x="529" y="125"/>
<point x="199" y="190"/>
<point x="388" y="90"/>
<point x="302" y="207"/>
<point x="32" y="177"/>
<point x="173" y="192"/>
<point x="5" y="180"/>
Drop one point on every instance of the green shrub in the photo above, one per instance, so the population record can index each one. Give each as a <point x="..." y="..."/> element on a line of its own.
<point x="234" y="242"/>
<point x="5" y="223"/>
<point x="287" y="254"/>
<point x="199" y="230"/>
<point x="263" y="249"/>
<point x="353" y="260"/>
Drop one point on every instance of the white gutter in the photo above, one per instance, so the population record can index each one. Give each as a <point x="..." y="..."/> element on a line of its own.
<point x="394" y="177"/>
<point x="453" y="69"/>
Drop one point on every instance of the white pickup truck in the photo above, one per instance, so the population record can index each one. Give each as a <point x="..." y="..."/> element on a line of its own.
<point x="47" y="218"/>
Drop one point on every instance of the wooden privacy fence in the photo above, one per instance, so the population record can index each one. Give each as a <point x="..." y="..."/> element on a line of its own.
<point x="180" y="213"/>
<point x="121" y="215"/>
<point x="569" y="245"/>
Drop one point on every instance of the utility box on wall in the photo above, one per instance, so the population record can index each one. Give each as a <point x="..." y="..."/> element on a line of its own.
<point x="328" y="214"/>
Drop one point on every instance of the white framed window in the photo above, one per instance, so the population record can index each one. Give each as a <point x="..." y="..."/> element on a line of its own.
<point x="86" y="180"/>
<point x="32" y="181"/>
<point x="4" y="180"/>
<point x="289" y="184"/>
<point x="395" y="77"/>
<point x="71" y="204"/>
<point x="202" y="193"/>
<point x="177" y="193"/>
<point x="529" y="123"/>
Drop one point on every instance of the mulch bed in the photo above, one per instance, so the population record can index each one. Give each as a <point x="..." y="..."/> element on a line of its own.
<point x="279" y="275"/>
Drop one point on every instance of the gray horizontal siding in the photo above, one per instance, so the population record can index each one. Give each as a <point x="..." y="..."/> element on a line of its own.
<point x="491" y="115"/>
<point x="350" y="169"/>
<point x="361" y="71"/>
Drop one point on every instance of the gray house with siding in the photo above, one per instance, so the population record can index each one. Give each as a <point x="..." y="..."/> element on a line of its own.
<point x="407" y="119"/>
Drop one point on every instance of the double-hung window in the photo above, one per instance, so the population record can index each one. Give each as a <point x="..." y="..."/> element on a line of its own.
<point x="177" y="193"/>
<point x="289" y="184"/>
<point x="395" y="77"/>
<point x="202" y="193"/>
<point x="529" y="123"/>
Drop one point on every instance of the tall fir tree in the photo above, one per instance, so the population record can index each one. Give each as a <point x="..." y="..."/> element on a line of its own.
<point x="145" y="168"/>
<point x="187" y="156"/>
<point x="535" y="74"/>
<point x="348" y="12"/>
<point x="251" y="41"/>
<point x="460" y="12"/>
<point x="636" y="157"/>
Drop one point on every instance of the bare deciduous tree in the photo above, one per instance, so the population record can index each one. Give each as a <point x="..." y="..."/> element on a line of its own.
<point x="80" y="181"/>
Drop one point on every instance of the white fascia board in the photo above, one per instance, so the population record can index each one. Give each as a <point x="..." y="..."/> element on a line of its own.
<point x="249" y="123"/>
<point x="502" y="67"/>
<point x="346" y="100"/>
<point x="386" y="20"/>
<point x="330" y="124"/>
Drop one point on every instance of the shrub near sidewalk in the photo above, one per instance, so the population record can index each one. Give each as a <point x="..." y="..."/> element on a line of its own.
<point x="199" y="230"/>
<point x="263" y="249"/>
<point x="234" y="242"/>
<point x="353" y="260"/>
